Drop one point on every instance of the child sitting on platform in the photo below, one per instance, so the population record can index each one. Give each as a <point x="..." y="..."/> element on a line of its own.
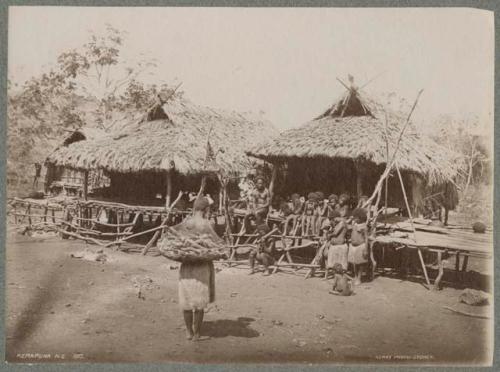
<point x="344" y="205"/>
<point x="342" y="285"/>
<point x="264" y="251"/>
<point x="321" y="209"/>
<point x="297" y="209"/>
<point x="358" y="250"/>
<point x="333" y="205"/>
<point x="308" y="217"/>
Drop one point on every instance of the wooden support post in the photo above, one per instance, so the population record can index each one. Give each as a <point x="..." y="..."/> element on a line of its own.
<point x="359" y="178"/>
<point x="85" y="184"/>
<point x="168" y="196"/>
<point x="413" y="227"/>
<point x="372" y="259"/>
<point x="117" y="227"/>
<point x="457" y="265"/>
<point x="441" y="271"/>
<point x="202" y="185"/>
<point x="221" y="197"/>
<point x="272" y="182"/>
<point x="29" y="214"/>
<point x="465" y="262"/>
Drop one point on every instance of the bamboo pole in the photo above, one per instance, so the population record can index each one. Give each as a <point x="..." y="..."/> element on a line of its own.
<point x="387" y="160"/>
<point x="272" y="183"/>
<point x="413" y="226"/>
<point x="156" y="235"/>
<point x="390" y="164"/>
<point x="85" y="184"/>
<point x="169" y="189"/>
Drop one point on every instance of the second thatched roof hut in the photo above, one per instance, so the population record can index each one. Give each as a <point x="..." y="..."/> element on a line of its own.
<point x="346" y="149"/>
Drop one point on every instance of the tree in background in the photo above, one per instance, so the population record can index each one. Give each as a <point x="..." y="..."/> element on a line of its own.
<point x="468" y="137"/>
<point x="86" y="86"/>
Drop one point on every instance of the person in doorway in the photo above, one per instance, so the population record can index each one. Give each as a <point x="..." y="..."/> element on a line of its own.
<point x="196" y="279"/>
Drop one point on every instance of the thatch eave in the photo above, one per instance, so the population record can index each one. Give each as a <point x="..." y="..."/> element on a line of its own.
<point x="177" y="142"/>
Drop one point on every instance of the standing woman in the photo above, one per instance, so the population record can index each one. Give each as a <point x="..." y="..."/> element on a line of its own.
<point x="196" y="278"/>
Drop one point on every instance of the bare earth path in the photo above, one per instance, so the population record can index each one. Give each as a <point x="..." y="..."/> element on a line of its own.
<point x="67" y="309"/>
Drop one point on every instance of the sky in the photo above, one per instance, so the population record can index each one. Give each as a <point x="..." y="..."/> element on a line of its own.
<point x="284" y="61"/>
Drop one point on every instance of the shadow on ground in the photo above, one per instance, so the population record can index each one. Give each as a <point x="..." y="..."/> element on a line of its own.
<point x="227" y="327"/>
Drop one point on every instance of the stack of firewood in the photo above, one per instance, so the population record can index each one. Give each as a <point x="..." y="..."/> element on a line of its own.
<point x="191" y="248"/>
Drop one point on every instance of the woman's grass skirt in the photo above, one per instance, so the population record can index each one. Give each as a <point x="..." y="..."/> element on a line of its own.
<point x="196" y="285"/>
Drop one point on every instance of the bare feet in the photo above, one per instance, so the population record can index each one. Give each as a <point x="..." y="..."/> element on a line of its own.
<point x="357" y="281"/>
<point x="189" y="335"/>
<point x="251" y="272"/>
<point x="200" y="338"/>
<point x="266" y="273"/>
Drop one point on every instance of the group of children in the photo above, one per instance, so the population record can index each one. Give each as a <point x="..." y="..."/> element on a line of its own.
<point x="305" y="217"/>
<point x="337" y="221"/>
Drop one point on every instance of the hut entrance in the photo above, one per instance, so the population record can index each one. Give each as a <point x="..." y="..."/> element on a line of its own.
<point x="344" y="176"/>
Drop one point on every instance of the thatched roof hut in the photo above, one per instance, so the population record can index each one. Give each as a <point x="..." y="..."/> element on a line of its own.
<point x="346" y="146"/>
<point x="178" y="140"/>
<point x="170" y="139"/>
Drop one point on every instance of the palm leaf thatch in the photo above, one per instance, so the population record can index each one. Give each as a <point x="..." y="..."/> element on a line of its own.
<point x="177" y="139"/>
<point x="358" y="128"/>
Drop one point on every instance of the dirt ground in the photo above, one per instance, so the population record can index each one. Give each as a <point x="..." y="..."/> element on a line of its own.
<point x="61" y="308"/>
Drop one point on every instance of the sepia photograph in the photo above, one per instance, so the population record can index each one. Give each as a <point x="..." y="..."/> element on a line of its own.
<point x="243" y="185"/>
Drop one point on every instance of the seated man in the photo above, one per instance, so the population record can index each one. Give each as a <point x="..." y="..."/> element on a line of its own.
<point x="258" y="204"/>
<point x="358" y="249"/>
<point x="264" y="251"/>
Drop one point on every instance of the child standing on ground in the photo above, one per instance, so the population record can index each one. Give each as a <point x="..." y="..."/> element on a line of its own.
<point x="337" y="249"/>
<point x="358" y="250"/>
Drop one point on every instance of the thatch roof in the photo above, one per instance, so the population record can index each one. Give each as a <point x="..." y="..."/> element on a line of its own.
<point x="177" y="139"/>
<point x="355" y="128"/>
<point x="84" y="133"/>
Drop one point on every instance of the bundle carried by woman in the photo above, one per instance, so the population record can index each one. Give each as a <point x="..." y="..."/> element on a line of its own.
<point x="193" y="240"/>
